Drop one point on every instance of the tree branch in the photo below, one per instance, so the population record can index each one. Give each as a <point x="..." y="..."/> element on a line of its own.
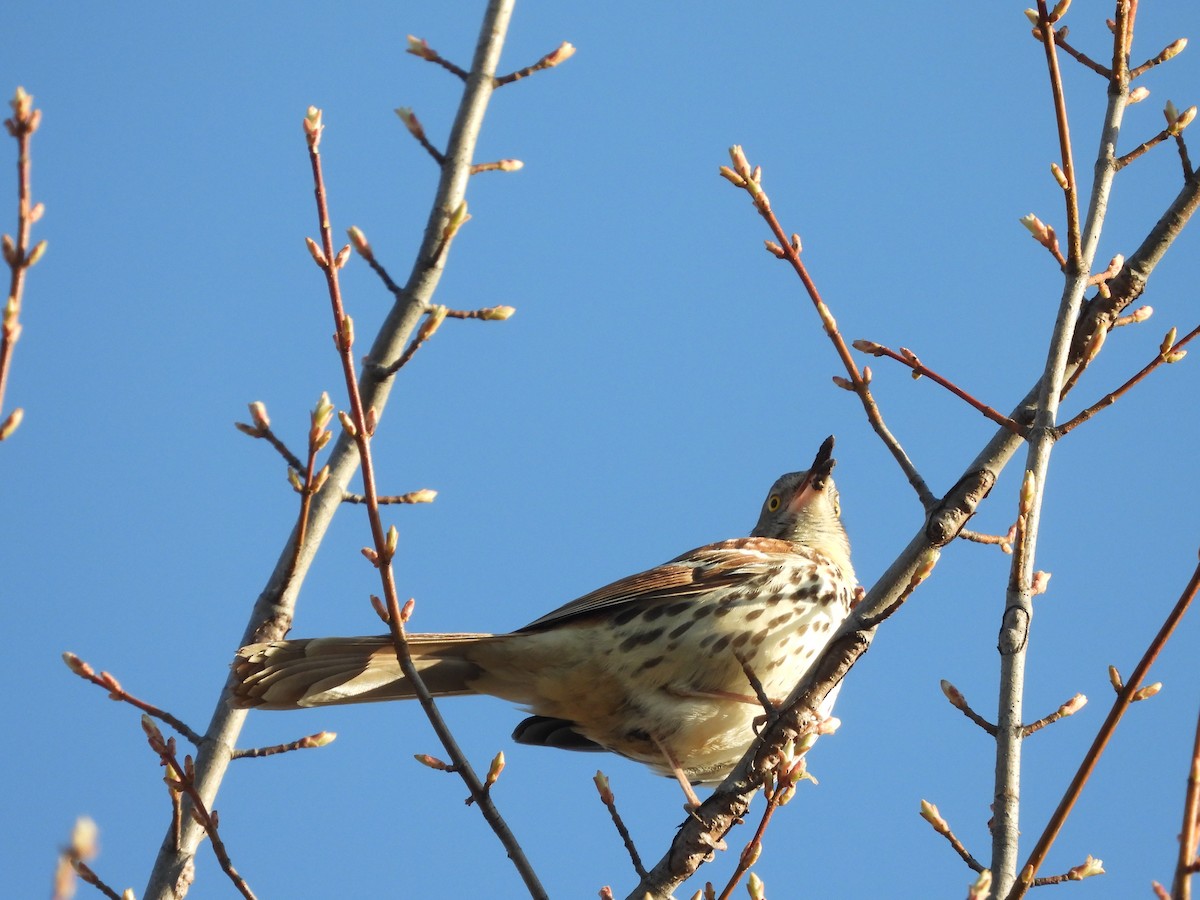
<point x="272" y="613"/>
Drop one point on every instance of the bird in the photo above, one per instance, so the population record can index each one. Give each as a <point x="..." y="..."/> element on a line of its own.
<point x="659" y="667"/>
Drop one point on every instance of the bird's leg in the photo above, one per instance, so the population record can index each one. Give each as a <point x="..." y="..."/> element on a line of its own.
<point x="693" y="801"/>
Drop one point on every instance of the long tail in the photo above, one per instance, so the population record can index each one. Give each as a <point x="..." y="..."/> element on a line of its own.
<point x="327" y="671"/>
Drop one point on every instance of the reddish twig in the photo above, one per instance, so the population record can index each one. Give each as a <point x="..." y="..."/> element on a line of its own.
<point x="1070" y="189"/>
<point x="1171" y="50"/>
<point x="1086" y="869"/>
<point x="417" y="130"/>
<point x="88" y="876"/>
<point x="1120" y="705"/>
<point x="788" y="248"/>
<point x="261" y="429"/>
<point x="116" y="692"/>
<point x="959" y="702"/>
<point x="930" y="814"/>
<point x="779" y="789"/>
<point x="1061" y="39"/>
<point x="559" y="55"/>
<point x="500" y="165"/>
<point x="360" y="426"/>
<point x="433" y="320"/>
<point x="1167" y="354"/>
<point x="309" y="742"/>
<point x="20" y="258"/>
<point x="363" y="247"/>
<point x="1072" y="706"/>
<point x="908" y="358"/>
<point x="1189" y="834"/>
<point x="751" y="852"/>
<point x="610" y="803"/>
<point x="418" y="47"/>
<point x="1123" y="161"/>
<point x="180" y="779"/>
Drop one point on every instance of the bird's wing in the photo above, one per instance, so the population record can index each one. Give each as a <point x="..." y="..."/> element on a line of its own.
<point x="704" y="569"/>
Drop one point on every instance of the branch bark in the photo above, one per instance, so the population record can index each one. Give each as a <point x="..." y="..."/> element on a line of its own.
<point x="272" y="614"/>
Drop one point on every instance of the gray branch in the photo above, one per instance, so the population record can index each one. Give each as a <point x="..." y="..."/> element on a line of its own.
<point x="272" y="614"/>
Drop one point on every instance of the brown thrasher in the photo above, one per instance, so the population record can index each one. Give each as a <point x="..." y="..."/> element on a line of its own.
<point x="653" y="667"/>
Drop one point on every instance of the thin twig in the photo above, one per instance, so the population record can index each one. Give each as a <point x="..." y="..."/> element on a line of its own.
<point x="1109" y="399"/>
<point x="273" y="611"/>
<point x="908" y="358"/>
<point x="417" y="130"/>
<point x="116" y="692"/>
<point x="1181" y="144"/>
<point x="959" y="702"/>
<point x="610" y="802"/>
<point x="1141" y="148"/>
<point x="1081" y="57"/>
<point x="1069" y="708"/>
<point x="1003" y="541"/>
<point x="1075" y="251"/>
<point x="318" y="436"/>
<point x="753" y="849"/>
<point x="180" y="778"/>
<point x="557" y="56"/>
<point x="1119" y="707"/>
<point x="433" y="320"/>
<point x="88" y="876"/>
<point x="1189" y="834"/>
<point x="418" y="47"/>
<point x="499" y="165"/>
<point x="933" y="816"/>
<point x="361" y="427"/>
<point x="20" y="258"/>
<point x="487" y="314"/>
<point x="788" y="247"/>
<point x="309" y="742"/>
<point x="1166" y="53"/>
<point x="757" y="686"/>
<point x="424" y="495"/>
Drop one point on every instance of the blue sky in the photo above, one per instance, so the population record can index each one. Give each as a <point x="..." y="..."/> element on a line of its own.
<point x="660" y="372"/>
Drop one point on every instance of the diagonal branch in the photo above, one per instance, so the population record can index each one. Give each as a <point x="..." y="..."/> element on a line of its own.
<point x="908" y="358"/>
<point x="788" y="248"/>
<point x="360" y="425"/>
<point x="1127" y="696"/>
<point x="272" y="613"/>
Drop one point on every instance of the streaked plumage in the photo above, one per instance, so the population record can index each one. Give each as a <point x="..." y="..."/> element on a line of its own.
<point x="647" y="666"/>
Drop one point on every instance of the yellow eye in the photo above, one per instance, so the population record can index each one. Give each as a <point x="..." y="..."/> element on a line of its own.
<point x="773" y="503"/>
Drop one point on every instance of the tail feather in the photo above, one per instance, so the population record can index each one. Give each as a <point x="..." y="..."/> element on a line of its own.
<point x="327" y="671"/>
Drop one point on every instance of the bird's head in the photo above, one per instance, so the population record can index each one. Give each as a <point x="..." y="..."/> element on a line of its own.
<point x="804" y="507"/>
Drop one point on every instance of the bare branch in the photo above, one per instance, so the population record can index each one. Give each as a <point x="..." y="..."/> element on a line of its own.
<point x="272" y="613"/>
<point x="610" y="803"/>
<point x="116" y="692"/>
<point x="1120" y="705"/>
<point x="180" y="779"/>
<point x="559" y="55"/>
<point x="908" y="358"/>
<point x="1164" y="356"/>
<point x="1189" y="834"/>
<point x="18" y="254"/>
<point x="930" y="814"/>
<point x="788" y="248"/>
